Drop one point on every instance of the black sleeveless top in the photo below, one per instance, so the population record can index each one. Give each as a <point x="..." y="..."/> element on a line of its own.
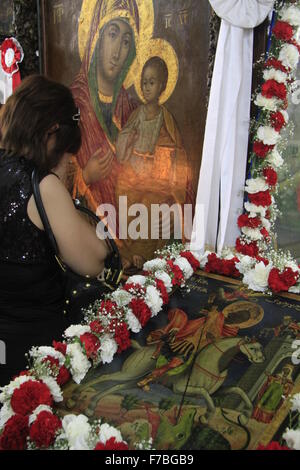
<point x="31" y="285"/>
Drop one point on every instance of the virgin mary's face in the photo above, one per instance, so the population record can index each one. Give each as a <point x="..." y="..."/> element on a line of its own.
<point x="116" y="42"/>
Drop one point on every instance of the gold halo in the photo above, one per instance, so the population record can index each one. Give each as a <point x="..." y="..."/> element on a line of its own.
<point x="146" y="21"/>
<point x="146" y="50"/>
<point x="84" y="24"/>
<point x="256" y="313"/>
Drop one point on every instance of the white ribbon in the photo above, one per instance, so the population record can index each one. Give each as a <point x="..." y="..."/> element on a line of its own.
<point x="5" y="86"/>
<point x="222" y="175"/>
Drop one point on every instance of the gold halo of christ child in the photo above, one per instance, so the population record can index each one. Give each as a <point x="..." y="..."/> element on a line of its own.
<point x="154" y="162"/>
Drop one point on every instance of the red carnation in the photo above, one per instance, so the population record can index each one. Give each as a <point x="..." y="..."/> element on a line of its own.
<point x="277" y="121"/>
<point x="213" y="263"/>
<point x="261" y="149"/>
<point x="276" y="64"/>
<point x="15" y="433"/>
<point x="140" y="310"/>
<point x="229" y="269"/>
<point x="245" y="221"/>
<point x="282" y="281"/>
<point x="178" y="276"/>
<point x="264" y="260"/>
<point x="163" y="291"/>
<point x="61" y="347"/>
<point x="217" y="265"/>
<point x="111" y="444"/>
<point x="43" y="430"/>
<point x="271" y="176"/>
<point x="283" y="30"/>
<point x="272" y="88"/>
<point x="248" y="249"/>
<point x="91" y="344"/>
<point x="265" y="233"/>
<point x="137" y="288"/>
<point x="274" y="445"/>
<point x="122" y="337"/>
<point x="108" y="306"/>
<point x="63" y="375"/>
<point x="29" y="396"/>
<point x="191" y="259"/>
<point x="96" y="327"/>
<point x="262" y="198"/>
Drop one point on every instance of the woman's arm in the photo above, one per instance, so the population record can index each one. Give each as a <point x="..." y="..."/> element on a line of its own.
<point x="77" y="241"/>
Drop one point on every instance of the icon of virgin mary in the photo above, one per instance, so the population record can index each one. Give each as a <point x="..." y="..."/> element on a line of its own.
<point x="104" y="104"/>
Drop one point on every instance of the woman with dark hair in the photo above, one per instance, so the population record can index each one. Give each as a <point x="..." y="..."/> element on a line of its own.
<point x="39" y="129"/>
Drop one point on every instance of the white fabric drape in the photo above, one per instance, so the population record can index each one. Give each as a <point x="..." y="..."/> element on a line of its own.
<point x="222" y="175"/>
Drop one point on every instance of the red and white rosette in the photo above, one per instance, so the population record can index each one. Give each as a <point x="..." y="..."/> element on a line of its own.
<point x="11" y="55"/>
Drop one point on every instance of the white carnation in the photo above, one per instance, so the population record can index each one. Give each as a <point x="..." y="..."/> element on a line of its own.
<point x="79" y="362"/>
<point x="107" y="432"/>
<point x="274" y="158"/>
<point x="37" y="411"/>
<point x="77" y="330"/>
<point x="121" y="297"/>
<point x="156" y="264"/>
<point x="257" y="278"/>
<point x="41" y="352"/>
<point x="137" y="279"/>
<point x="133" y="323"/>
<point x="268" y="135"/>
<point x="292" y="438"/>
<point x="289" y="56"/>
<point x="266" y="223"/>
<point x="77" y="430"/>
<point x="253" y="233"/>
<point x="271" y="104"/>
<point x="246" y="263"/>
<point x="6" y="413"/>
<point x="165" y="278"/>
<point x="108" y="349"/>
<point x="153" y="300"/>
<point x="254" y="185"/>
<point x="203" y="259"/>
<point x="273" y="74"/>
<point x="295" y="402"/>
<point x="253" y="209"/>
<point x="185" y="267"/>
<point x="290" y="15"/>
<point x="285" y="115"/>
<point x="53" y="387"/>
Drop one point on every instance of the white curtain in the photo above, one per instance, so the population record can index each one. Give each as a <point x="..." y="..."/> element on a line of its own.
<point x="222" y="175"/>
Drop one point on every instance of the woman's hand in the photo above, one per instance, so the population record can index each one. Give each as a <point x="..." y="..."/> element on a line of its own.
<point x="98" y="167"/>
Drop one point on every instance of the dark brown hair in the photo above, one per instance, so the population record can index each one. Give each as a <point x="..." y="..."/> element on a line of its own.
<point x="162" y="69"/>
<point x="29" y="117"/>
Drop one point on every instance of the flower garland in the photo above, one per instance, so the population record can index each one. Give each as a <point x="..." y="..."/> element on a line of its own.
<point x="27" y="418"/>
<point x="264" y="269"/>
